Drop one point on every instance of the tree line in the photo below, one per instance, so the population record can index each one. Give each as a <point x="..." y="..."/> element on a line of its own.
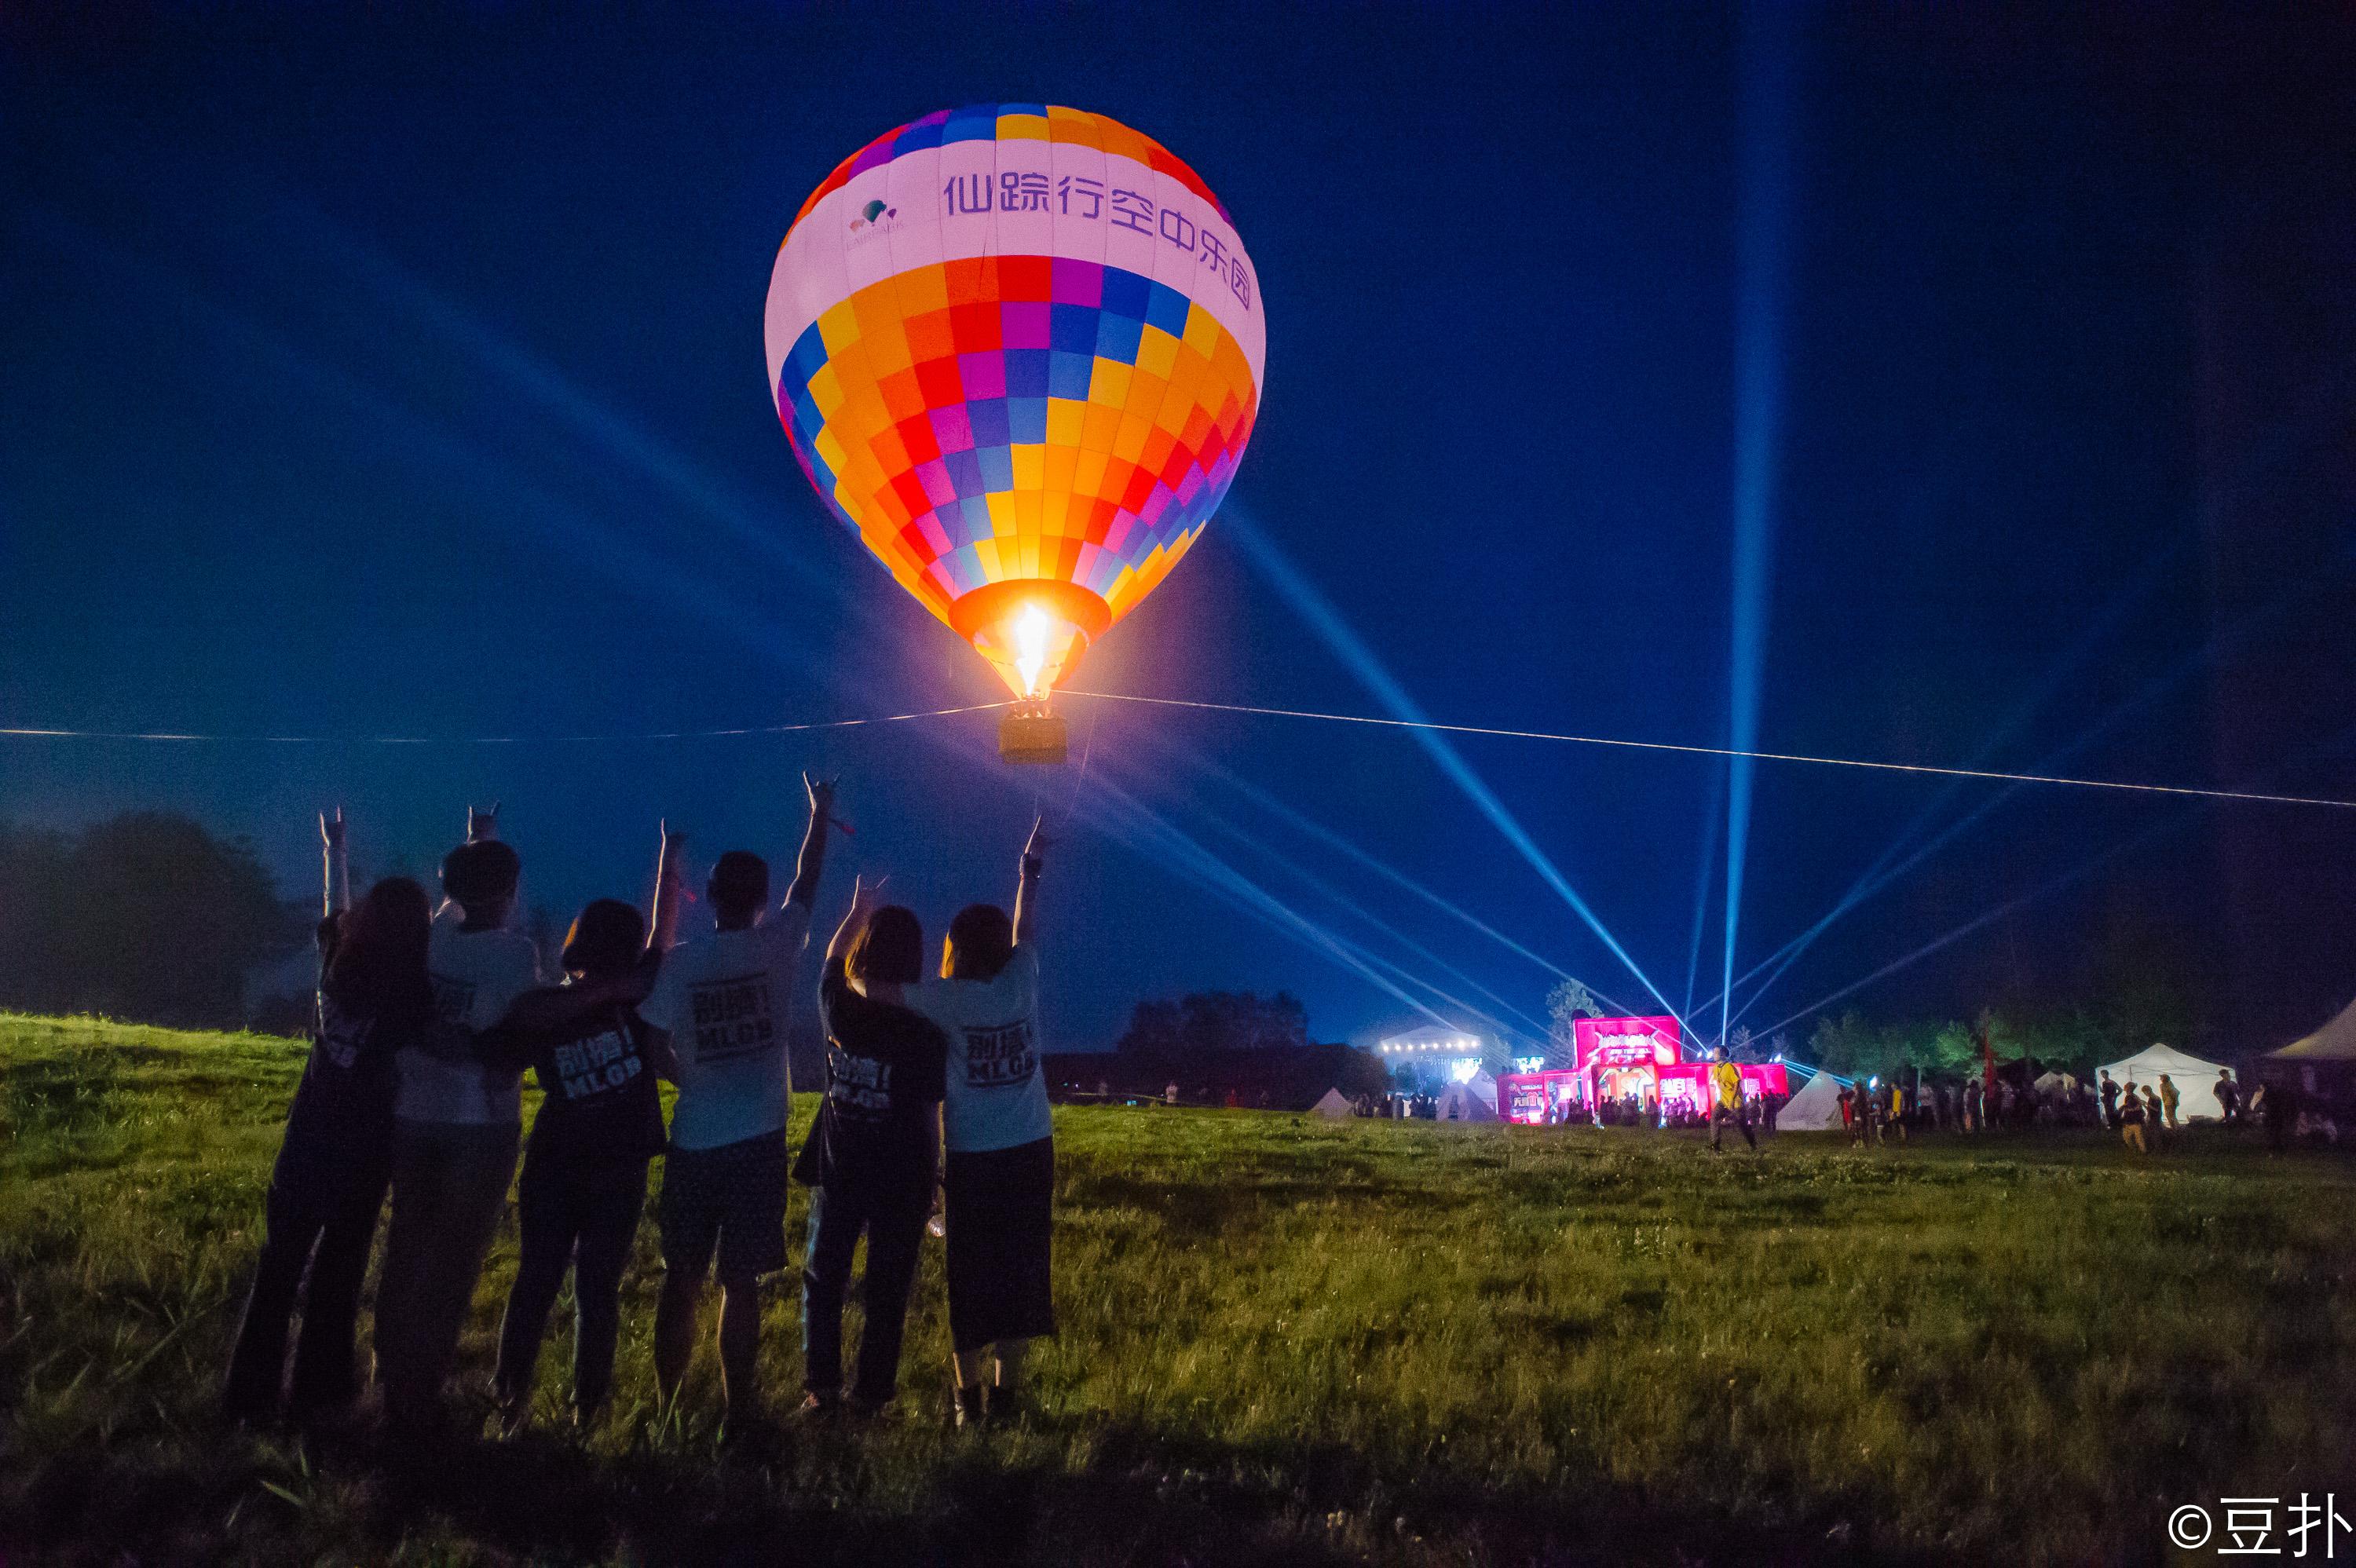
<point x="145" y="916"/>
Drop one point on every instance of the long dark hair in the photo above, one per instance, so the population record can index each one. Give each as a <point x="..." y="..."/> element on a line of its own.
<point x="607" y="938"/>
<point x="889" y="949"/>
<point x="379" y="965"/>
<point x="980" y="941"/>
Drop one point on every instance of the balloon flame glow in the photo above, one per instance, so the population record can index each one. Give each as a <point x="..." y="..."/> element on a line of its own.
<point x="1031" y="643"/>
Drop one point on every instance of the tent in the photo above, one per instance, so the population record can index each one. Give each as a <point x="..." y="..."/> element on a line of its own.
<point x="1333" y="1107"/>
<point x="1815" y="1109"/>
<point x="1458" y="1102"/>
<point x="1484" y="1089"/>
<point x="2195" y="1080"/>
<point x="2323" y="1063"/>
<point x="2059" y="1083"/>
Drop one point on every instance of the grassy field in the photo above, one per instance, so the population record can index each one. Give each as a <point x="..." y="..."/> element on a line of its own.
<point x="1284" y="1341"/>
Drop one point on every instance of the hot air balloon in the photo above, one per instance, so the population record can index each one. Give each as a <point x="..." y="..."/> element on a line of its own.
<point x="1018" y="348"/>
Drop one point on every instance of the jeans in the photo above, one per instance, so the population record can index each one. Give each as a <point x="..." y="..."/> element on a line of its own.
<point x="583" y="1217"/>
<point x="893" y="1214"/>
<point x="321" y="1212"/>
<point x="1726" y="1116"/>
<point x="449" y="1181"/>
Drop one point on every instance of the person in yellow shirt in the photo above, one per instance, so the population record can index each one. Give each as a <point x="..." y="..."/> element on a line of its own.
<point x="1727" y="1079"/>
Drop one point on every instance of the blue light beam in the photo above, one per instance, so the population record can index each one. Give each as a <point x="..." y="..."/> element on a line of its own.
<point x="1763" y="270"/>
<point x="1328" y="624"/>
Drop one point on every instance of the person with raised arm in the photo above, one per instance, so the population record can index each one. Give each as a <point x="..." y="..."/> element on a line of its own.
<point x="328" y="1184"/>
<point x="723" y="1003"/>
<point x="458" y="1120"/>
<point x="999" y="1176"/>
<point x="600" y="1126"/>
<point x="871" y="1157"/>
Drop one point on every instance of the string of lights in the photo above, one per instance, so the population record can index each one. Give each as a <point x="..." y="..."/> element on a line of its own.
<point x="1926" y="768"/>
<point x="1929" y="768"/>
<point x="498" y="739"/>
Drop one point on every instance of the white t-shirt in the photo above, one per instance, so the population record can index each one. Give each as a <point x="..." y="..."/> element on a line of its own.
<point x="475" y="974"/>
<point x="725" y="998"/>
<point x="997" y="1096"/>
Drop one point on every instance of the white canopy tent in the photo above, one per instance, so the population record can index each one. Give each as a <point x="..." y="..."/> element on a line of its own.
<point x="1458" y="1102"/>
<point x="1333" y="1107"/>
<point x="2324" y="1063"/>
<point x="2195" y="1080"/>
<point x="2335" y="1041"/>
<point x="1815" y="1108"/>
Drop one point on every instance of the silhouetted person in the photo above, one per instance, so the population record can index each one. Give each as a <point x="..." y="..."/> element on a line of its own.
<point x="2131" y="1117"/>
<point x="873" y="1152"/>
<point x="723" y="1002"/>
<point x="1726" y="1080"/>
<point x="336" y="1158"/>
<point x="600" y="1126"/>
<point x="457" y="1121"/>
<point x="999" y="1176"/>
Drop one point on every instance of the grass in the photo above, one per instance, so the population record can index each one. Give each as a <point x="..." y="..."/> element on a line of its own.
<point x="1284" y="1341"/>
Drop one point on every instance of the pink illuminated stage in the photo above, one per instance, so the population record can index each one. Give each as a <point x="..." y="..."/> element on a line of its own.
<point x="1616" y="1058"/>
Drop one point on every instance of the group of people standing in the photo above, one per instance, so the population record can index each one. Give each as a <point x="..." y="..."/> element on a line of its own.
<point x="412" y="1095"/>
<point x="1874" y="1113"/>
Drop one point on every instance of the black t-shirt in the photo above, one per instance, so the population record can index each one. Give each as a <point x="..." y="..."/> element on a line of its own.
<point x="884" y="1069"/>
<point x="344" y="1104"/>
<point x="596" y="1072"/>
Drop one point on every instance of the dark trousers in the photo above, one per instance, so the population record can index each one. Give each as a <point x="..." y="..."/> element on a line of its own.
<point x="585" y="1218"/>
<point x="449" y="1184"/>
<point x="893" y="1215"/>
<point x="1741" y="1118"/>
<point x="321" y="1214"/>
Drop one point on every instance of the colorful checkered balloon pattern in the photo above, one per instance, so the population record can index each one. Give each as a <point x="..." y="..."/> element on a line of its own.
<point x="1018" y="349"/>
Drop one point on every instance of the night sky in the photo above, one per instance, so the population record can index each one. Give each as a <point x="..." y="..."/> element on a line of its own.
<point x="401" y="375"/>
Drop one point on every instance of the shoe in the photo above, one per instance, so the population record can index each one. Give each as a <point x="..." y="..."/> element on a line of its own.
<point x="875" y="1412"/>
<point x="1008" y="1407"/>
<point x="817" y="1406"/>
<point x="510" y="1409"/>
<point x="972" y="1406"/>
<point x="749" y="1433"/>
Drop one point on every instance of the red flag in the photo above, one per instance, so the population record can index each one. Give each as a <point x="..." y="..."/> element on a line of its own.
<point x="1987" y="1063"/>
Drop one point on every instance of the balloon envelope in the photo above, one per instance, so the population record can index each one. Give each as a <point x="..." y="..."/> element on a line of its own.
<point x="1017" y="347"/>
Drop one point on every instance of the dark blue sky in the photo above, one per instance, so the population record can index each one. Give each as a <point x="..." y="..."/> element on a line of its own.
<point x="401" y="375"/>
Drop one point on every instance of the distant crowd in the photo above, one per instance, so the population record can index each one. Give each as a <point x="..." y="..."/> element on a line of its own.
<point x="1874" y="1113"/>
<point x="412" y="1098"/>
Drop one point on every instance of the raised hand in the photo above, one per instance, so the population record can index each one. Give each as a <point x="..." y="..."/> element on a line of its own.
<point x="1026" y="884"/>
<point x="334" y="866"/>
<point x="866" y="897"/>
<point x="670" y="889"/>
<point x="813" y="856"/>
<point x="821" y="796"/>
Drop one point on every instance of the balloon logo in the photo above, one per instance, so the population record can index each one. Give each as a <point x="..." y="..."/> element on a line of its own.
<point x="1018" y="348"/>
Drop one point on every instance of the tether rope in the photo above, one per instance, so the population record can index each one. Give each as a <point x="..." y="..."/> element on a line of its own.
<point x="1988" y="774"/>
<point x="1927" y="769"/>
<point x="500" y="739"/>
